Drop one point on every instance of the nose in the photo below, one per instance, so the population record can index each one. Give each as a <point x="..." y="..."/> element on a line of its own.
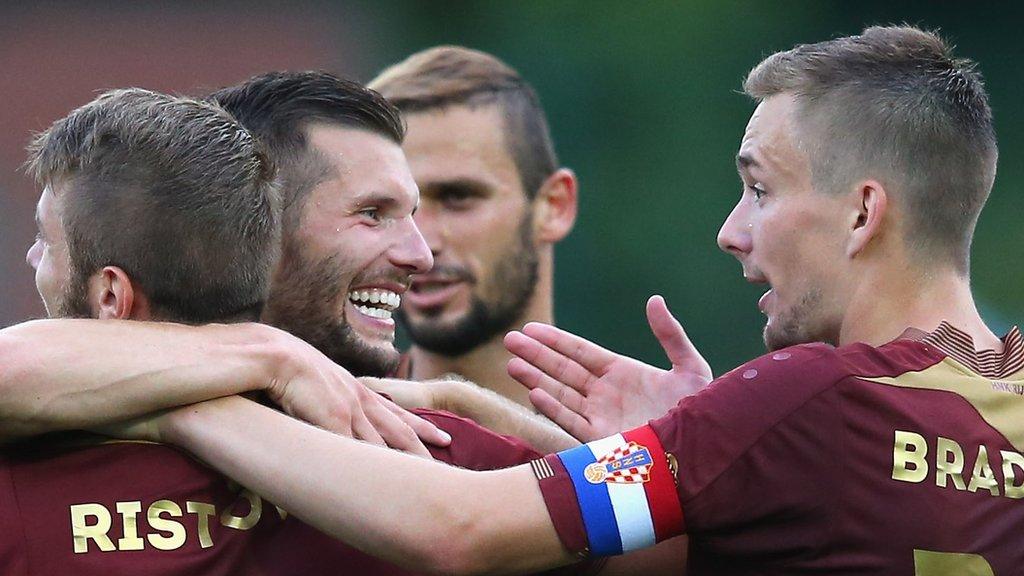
<point x="734" y="236"/>
<point x="411" y="251"/>
<point x="432" y="229"/>
<point x="34" y="254"/>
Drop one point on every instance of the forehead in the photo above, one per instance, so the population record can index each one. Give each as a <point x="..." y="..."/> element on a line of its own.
<point x="770" y="140"/>
<point x="361" y="162"/>
<point x="458" y="142"/>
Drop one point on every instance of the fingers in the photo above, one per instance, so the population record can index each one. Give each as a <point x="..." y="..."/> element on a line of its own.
<point x="582" y="351"/>
<point x="391" y="429"/>
<point x="426" y="430"/>
<point x="363" y="430"/>
<point x="534" y="379"/>
<point x="577" y="426"/>
<point x="561" y="368"/>
<point x="673" y="339"/>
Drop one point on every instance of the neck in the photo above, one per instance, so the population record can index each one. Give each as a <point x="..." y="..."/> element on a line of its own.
<point x="888" y="302"/>
<point x="486" y="364"/>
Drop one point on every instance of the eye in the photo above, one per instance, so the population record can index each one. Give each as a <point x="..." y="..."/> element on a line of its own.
<point x="457" y="199"/>
<point x="371" y="213"/>
<point x="757" y="190"/>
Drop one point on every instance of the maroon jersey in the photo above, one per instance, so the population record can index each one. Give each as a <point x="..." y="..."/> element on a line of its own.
<point x="902" y="459"/>
<point x="141" y="508"/>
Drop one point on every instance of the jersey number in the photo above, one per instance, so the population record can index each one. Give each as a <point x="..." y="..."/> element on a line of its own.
<point x="928" y="563"/>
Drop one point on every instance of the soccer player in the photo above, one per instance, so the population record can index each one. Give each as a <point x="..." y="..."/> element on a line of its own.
<point x="345" y="264"/>
<point x="882" y="433"/>
<point x="158" y="208"/>
<point x="494" y="202"/>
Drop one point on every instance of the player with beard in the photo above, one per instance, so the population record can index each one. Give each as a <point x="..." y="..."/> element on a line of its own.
<point x="884" y="439"/>
<point x="494" y="203"/>
<point x="366" y="203"/>
<point x="175" y="192"/>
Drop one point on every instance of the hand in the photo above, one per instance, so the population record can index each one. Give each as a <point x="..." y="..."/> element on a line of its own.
<point x="311" y="387"/>
<point x="592" y="392"/>
<point x="408" y="394"/>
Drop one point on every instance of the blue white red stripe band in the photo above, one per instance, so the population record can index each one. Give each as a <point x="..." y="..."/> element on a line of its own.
<point x="626" y="491"/>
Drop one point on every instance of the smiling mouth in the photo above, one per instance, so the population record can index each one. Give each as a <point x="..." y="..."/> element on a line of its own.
<point x="375" y="302"/>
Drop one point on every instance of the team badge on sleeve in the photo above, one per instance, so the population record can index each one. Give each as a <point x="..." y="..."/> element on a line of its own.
<point x="626" y="491"/>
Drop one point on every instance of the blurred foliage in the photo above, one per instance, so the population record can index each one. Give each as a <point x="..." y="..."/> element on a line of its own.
<point x="644" y="103"/>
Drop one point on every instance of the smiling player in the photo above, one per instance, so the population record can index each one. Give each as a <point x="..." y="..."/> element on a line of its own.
<point x="896" y="451"/>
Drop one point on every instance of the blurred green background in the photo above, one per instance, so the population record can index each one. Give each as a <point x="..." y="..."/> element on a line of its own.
<point x="643" y="100"/>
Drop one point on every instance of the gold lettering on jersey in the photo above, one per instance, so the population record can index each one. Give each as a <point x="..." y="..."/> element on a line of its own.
<point x="908" y="457"/>
<point x="155" y="516"/>
<point x="82" y="531"/>
<point x="1012" y="462"/>
<point x="249" y="520"/>
<point x="910" y="463"/>
<point x="949" y="464"/>
<point x="129" y="528"/>
<point x="203" y="513"/>
<point x="982" y="476"/>
<point x="163" y="526"/>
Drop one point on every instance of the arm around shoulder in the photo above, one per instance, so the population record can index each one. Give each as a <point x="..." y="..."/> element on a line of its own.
<point x="66" y="374"/>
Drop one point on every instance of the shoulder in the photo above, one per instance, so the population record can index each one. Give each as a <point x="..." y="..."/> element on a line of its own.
<point x="474" y="446"/>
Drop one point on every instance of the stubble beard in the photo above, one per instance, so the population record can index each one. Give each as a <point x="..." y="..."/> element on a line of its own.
<point x="308" y="299"/>
<point x="73" y="301"/>
<point x="798" y="325"/>
<point x="515" y="275"/>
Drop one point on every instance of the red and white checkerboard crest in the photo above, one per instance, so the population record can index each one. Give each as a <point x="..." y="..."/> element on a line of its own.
<point x="630" y="464"/>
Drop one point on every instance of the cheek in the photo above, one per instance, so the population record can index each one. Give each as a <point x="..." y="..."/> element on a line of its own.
<point x="51" y="277"/>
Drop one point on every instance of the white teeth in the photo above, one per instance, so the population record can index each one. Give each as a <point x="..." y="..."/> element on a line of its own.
<point x="385" y="300"/>
<point x="374" y="312"/>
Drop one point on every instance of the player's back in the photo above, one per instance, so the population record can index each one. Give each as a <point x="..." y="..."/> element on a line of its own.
<point x="902" y="459"/>
<point x="90" y="507"/>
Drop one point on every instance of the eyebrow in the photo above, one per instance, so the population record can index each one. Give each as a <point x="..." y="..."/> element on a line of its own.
<point x="464" y="185"/>
<point x="744" y="161"/>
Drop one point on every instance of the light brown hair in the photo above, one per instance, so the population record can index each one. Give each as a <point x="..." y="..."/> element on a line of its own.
<point x="173" y="191"/>
<point x="893" y="104"/>
<point x="454" y="76"/>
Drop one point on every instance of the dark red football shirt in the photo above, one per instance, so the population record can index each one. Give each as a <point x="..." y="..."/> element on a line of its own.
<point x="902" y="459"/>
<point x="140" y="508"/>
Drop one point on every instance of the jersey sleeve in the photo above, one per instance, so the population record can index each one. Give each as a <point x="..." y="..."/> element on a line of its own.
<point x="12" y="537"/>
<point x="638" y="488"/>
<point x="475" y="447"/>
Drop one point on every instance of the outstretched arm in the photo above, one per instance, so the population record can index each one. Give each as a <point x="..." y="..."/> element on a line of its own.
<point x="71" y="374"/>
<point x="592" y="392"/>
<point x="410" y="511"/>
<point x="485" y="407"/>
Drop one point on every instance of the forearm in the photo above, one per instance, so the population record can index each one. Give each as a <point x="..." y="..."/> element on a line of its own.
<point x="70" y="374"/>
<point x="386" y="503"/>
<point x="504" y="416"/>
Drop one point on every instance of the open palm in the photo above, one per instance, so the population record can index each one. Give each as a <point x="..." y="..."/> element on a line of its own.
<point x="592" y="392"/>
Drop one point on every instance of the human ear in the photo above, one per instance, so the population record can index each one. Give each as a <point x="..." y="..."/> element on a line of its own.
<point x="872" y="204"/>
<point x="113" y="295"/>
<point x="555" y="206"/>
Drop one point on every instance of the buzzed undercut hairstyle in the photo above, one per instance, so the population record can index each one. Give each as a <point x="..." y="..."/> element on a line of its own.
<point x="171" y="190"/>
<point x="446" y="76"/>
<point x="278" y="107"/>
<point x="893" y="104"/>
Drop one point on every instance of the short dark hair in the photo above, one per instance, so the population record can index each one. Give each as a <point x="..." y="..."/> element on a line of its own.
<point x="277" y="107"/>
<point x="452" y="75"/>
<point x="894" y="104"/>
<point x="173" y="191"/>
